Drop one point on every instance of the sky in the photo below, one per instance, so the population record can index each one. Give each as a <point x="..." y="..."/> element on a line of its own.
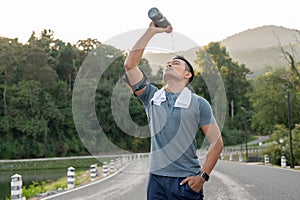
<point x="201" y="21"/>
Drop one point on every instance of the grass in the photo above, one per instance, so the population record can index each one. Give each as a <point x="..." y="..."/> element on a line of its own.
<point x="81" y="178"/>
<point x="31" y="191"/>
<point x="38" y="189"/>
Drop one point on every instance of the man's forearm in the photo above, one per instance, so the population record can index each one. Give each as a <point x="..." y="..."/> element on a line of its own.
<point x="213" y="134"/>
<point x="212" y="155"/>
<point x="136" y="53"/>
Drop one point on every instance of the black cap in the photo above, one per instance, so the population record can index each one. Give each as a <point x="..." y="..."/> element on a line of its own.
<point x="191" y="69"/>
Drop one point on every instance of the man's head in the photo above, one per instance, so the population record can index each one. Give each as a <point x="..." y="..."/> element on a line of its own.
<point x="179" y="68"/>
<point x="188" y="65"/>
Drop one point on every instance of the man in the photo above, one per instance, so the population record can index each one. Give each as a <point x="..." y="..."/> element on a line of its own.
<point x="175" y="116"/>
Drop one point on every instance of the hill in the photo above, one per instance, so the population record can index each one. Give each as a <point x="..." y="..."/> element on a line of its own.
<point x="256" y="48"/>
<point x="261" y="47"/>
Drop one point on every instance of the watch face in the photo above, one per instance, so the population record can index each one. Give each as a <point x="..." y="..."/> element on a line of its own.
<point x="205" y="176"/>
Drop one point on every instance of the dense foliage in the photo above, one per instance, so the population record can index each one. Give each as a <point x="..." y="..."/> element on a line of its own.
<point x="37" y="82"/>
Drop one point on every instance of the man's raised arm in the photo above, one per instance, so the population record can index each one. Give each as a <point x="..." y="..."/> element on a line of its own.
<point x="133" y="73"/>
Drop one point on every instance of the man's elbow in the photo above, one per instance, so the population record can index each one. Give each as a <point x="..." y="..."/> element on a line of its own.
<point x="128" y="64"/>
<point x="221" y="144"/>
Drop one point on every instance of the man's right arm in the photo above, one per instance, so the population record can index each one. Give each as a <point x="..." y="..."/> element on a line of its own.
<point x="134" y="74"/>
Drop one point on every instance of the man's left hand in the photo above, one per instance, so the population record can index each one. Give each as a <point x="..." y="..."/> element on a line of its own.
<point x="195" y="182"/>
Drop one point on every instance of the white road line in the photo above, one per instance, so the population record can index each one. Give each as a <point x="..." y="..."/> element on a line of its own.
<point x="87" y="185"/>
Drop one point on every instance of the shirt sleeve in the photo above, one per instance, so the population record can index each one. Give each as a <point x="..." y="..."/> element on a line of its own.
<point x="206" y="114"/>
<point x="147" y="95"/>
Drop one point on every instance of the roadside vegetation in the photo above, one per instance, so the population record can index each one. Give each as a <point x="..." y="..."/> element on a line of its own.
<point x="37" y="80"/>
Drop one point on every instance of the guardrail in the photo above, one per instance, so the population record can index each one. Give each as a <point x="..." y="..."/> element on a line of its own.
<point x="238" y="152"/>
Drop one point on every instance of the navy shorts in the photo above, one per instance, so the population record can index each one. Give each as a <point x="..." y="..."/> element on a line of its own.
<point x="169" y="188"/>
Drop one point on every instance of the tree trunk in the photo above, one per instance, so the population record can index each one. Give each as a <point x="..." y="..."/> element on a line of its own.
<point x="4" y="95"/>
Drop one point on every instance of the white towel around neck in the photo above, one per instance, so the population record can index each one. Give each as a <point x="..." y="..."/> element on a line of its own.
<point x="182" y="101"/>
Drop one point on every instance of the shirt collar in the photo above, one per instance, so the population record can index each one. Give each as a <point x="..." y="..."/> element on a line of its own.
<point x="182" y="101"/>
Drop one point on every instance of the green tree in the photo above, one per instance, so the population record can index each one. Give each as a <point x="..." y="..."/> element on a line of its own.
<point x="36" y="116"/>
<point x="296" y="144"/>
<point x="36" y="83"/>
<point x="46" y="41"/>
<point x="29" y="110"/>
<point x="213" y="60"/>
<point x="279" y="145"/>
<point x="37" y="68"/>
<point x="269" y="100"/>
<point x="107" y="61"/>
<point x="87" y="45"/>
<point x="66" y="68"/>
<point x="106" y="85"/>
<point x="11" y="58"/>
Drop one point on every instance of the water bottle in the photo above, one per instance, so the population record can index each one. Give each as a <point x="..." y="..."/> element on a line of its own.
<point x="157" y="17"/>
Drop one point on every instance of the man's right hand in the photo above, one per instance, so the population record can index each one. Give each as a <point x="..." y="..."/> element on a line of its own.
<point x="156" y="29"/>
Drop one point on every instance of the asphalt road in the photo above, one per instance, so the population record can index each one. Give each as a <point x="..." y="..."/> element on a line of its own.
<point x="229" y="180"/>
<point x="233" y="180"/>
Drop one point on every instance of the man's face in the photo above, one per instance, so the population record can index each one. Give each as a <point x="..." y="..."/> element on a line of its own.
<point x="175" y="69"/>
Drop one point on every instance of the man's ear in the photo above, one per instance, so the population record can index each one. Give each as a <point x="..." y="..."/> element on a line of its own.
<point x="187" y="75"/>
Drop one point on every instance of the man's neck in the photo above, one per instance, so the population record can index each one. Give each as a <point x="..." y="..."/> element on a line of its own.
<point x="175" y="87"/>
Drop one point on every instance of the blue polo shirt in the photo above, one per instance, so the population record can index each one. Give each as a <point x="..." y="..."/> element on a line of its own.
<point x="173" y="126"/>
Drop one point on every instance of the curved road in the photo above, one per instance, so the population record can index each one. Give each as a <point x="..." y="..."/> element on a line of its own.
<point x="229" y="180"/>
<point x="128" y="183"/>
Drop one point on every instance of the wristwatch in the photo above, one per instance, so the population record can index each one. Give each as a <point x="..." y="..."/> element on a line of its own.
<point x="204" y="176"/>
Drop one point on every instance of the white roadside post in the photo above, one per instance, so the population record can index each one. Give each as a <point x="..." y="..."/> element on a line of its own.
<point x="112" y="166"/>
<point x="119" y="163"/>
<point x="105" y="169"/>
<point x="230" y="157"/>
<point x="267" y="161"/>
<point x="71" y="177"/>
<point x="240" y="158"/>
<point x="283" y="161"/>
<point x="93" y="172"/>
<point x="16" y="187"/>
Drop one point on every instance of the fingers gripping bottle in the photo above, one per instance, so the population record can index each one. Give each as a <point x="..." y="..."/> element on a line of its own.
<point x="157" y="17"/>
